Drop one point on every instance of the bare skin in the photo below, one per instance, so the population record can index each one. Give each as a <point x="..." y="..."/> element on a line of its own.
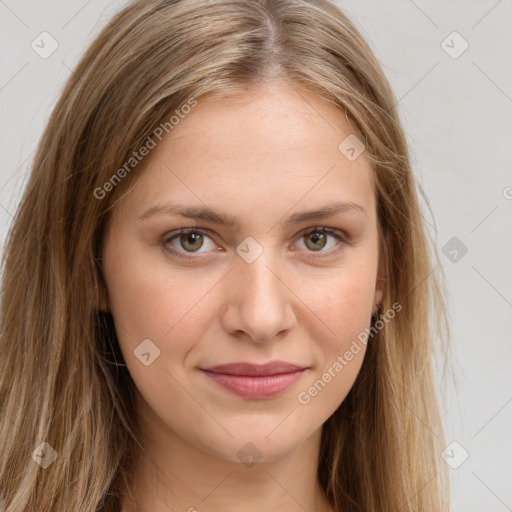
<point x="304" y="299"/>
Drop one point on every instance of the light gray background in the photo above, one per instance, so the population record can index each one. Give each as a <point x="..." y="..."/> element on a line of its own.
<point x="458" y="116"/>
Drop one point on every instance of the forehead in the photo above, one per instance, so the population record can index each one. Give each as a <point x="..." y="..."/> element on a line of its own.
<point x="271" y="149"/>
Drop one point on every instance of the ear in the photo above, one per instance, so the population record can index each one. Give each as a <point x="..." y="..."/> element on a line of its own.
<point x="103" y="297"/>
<point x="380" y="284"/>
<point x="103" y="305"/>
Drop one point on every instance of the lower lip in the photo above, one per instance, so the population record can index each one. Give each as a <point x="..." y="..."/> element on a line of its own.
<point x="255" y="387"/>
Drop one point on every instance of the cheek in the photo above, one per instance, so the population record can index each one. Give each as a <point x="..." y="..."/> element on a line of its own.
<point x="341" y="320"/>
<point x="341" y="303"/>
<point x="342" y="297"/>
<point x="151" y="304"/>
<point x="147" y="301"/>
<point x="143" y="296"/>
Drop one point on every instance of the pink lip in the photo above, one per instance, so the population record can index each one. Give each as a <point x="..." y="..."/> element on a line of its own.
<point x="255" y="381"/>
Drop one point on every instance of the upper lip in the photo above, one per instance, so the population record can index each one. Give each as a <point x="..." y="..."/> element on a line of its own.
<point x="250" y="369"/>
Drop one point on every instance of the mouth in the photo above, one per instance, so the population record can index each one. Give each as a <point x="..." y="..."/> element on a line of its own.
<point x="248" y="380"/>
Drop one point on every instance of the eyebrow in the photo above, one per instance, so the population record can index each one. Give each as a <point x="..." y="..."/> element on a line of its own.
<point x="209" y="214"/>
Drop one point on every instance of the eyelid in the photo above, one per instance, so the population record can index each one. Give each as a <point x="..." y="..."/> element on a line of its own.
<point x="340" y="235"/>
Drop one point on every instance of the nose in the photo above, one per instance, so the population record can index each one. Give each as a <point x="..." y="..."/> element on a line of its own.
<point x="259" y="300"/>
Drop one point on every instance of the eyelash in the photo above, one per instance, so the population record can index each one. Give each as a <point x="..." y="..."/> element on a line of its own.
<point x="165" y="241"/>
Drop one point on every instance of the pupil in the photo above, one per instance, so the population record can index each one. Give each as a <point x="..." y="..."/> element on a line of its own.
<point x="191" y="241"/>
<point x="316" y="238"/>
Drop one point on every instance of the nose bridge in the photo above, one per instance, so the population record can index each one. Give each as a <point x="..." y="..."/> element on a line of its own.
<point x="260" y="302"/>
<point x="260" y="286"/>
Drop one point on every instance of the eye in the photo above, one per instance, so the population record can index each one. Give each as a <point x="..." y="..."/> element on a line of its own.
<point x="317" y="238"/>
<point x="192" y="240"/>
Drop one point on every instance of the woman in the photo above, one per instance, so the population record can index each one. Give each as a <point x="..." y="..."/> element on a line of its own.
<point x="215" y="289"/>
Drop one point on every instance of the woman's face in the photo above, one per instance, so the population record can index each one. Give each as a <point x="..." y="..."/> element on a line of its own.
<point x="257" y="290"/>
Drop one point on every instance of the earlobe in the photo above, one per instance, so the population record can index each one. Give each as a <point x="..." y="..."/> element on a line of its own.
<point x="103" y="307"/>
<point x="380" y="285"/>
<point x="103" y="299"/>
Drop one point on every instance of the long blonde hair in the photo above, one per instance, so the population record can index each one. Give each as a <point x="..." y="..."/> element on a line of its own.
<point x="63" y="379"/>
